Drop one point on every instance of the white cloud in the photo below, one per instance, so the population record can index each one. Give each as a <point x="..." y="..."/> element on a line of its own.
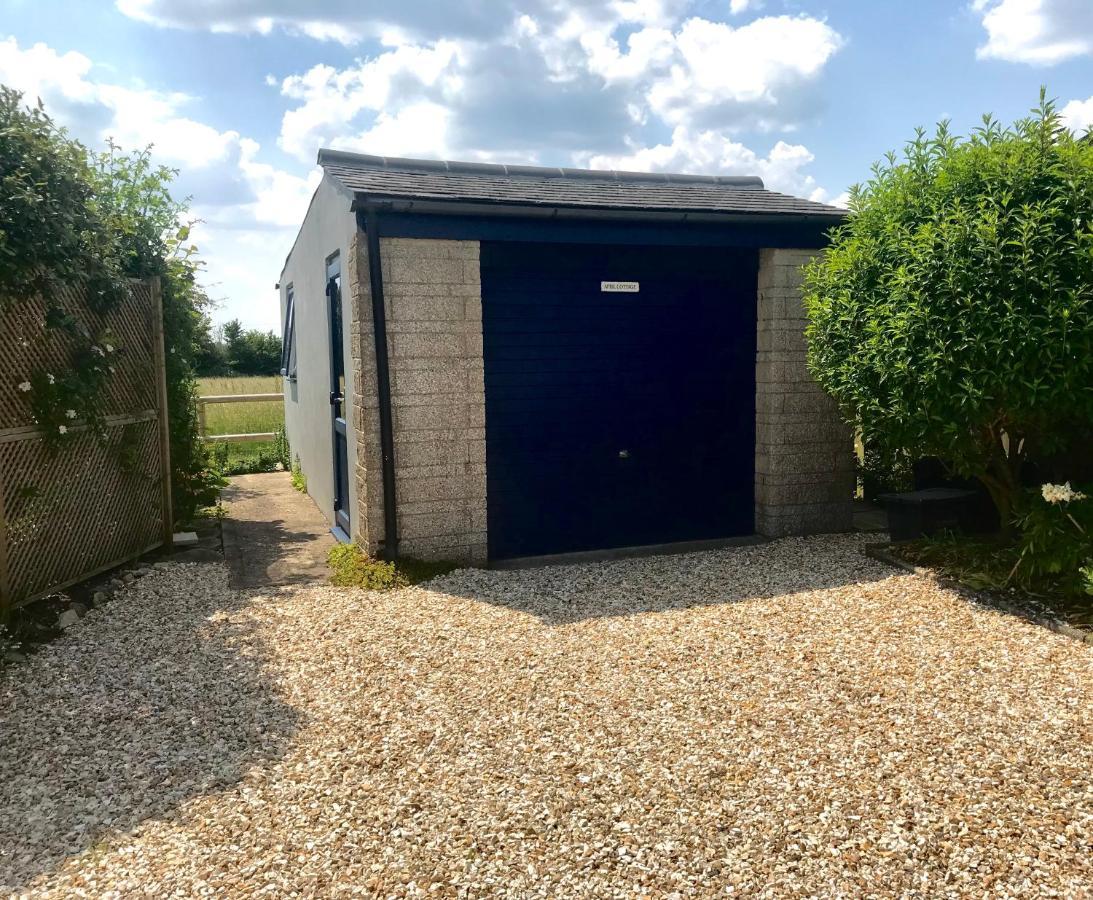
<point x="1042" y="32"/>
<point x="251" y="210"/>
<point x="567" y="85"/>
<point x="627" y="83"/>
<point x="350" y="21"/>
<point x="1078" y="115"/>
<point x="417" y="129"/>
<point x="406" y="77"/>
<point x="719" y="65"/>
<point x="710" y="152"/>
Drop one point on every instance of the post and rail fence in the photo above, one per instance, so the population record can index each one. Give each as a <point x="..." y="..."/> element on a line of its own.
<point x="202" y="425"/>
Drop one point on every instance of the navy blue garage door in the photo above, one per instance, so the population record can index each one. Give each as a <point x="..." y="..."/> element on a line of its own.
<point x="617" y="418"/>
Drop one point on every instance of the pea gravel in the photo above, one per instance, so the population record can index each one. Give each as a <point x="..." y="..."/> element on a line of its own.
<point x="791" y="719"/>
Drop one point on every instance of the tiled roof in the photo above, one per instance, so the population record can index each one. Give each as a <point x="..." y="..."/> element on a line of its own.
<point x="380" y="177"/>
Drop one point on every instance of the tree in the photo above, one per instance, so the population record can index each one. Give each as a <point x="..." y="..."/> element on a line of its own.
<point x="68" y="216"/>
<point x="250" y="351"/>
<point x="952" y="315"/>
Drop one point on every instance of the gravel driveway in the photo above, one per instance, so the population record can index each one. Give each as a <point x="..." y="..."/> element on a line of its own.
<point x="787" y="719"/>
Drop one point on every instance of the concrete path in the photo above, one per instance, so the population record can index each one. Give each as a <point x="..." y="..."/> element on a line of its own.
<point x="273" y="534"/>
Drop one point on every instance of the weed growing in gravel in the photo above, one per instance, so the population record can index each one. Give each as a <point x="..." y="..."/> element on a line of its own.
<point x="352" y="567"/>
<point x="299" y="479"/>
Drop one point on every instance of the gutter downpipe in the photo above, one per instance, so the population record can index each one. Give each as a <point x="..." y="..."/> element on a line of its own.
<point x="368" y="221"/>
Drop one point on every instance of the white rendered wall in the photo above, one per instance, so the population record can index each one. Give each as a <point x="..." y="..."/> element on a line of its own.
<point x="328" y="228"/>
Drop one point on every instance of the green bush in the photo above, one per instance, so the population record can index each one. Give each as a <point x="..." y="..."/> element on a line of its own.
<point x="53" y="230"/>
<point x="72" y="216"/>
<point x="952" y="315"/>
<point x="1056" y="527"/>
<point x="884" y="471"/>
<point x="352" y="567"/>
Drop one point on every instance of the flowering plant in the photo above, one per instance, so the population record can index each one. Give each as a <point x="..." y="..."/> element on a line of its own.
<point x="1057" y="536"/>
<point x="1060" y="493"/>
<point x="61" y="401"/>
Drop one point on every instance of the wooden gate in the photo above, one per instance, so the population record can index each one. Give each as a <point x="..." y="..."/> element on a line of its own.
<point x="98" y="501"/>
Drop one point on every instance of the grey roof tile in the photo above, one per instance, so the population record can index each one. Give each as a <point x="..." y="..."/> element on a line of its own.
<point x="379" y="177"/>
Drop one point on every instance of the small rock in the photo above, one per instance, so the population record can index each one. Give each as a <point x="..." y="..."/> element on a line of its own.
<point x="185" y="538"/>
<point x="128" y="577"/>
<point x="99" y="597"/>
<point x="68" y="618"/>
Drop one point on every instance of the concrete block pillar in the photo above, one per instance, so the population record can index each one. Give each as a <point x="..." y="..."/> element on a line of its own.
<point x="804" y="463"/>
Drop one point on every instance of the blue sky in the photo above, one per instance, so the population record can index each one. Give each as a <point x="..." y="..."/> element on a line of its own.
<point x="239" y="94"/>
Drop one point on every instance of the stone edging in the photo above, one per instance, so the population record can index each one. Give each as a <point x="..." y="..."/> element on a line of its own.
<point x="880" y="553"/>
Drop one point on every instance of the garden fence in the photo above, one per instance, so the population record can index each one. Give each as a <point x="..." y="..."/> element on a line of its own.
<point x="99" y="500"/>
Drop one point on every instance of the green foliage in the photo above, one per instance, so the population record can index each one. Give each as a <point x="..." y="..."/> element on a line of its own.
<point x="299" y="479"/>
<point x="71" y="216"/>
<point x="884" y="470"/>
<point x="952" y="315"/>
<point x="244" y="459"/>
<point x="53" y="229"/>
<point x="1051" y="559"/>
<point x="352" y="567"/>
<point x="282" y="449"/>
<point x="1056" y="540"/>
<point x="250" y="351"/>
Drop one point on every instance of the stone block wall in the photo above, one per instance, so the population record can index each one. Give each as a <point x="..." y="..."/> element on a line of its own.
<point x="433" y="303"/>
<point x="804" y="464"/>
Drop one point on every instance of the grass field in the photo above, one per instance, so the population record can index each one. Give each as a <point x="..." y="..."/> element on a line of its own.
<point x="243" y="418"/>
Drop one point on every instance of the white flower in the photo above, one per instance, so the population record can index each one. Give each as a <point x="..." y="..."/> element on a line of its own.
<point x="1060" y="493"/>
<point x="70" y="413"/>
<point x="109" y="348"/>
<point x="111" y="368"/>
<point x="24" y="386"/>
<point x="95" y="348"/>
<point x="50" y="378"/>
<point x="62" y="429"/>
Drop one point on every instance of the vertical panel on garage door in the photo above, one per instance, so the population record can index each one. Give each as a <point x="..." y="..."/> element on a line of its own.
<point x="617" y="419"/>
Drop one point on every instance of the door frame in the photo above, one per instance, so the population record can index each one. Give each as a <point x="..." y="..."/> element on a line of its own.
<point x="339" y="439"/>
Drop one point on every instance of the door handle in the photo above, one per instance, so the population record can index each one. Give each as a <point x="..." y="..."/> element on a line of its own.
<point x="335" y="397"/>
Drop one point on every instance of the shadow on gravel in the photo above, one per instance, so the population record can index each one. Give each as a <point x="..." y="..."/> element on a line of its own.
<point x="161" y="696"/>
<point x="562" y="595"/>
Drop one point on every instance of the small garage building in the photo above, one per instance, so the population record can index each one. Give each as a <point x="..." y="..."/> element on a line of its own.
<point x="487" y="363"/>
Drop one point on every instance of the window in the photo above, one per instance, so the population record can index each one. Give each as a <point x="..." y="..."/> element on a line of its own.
<point x="288" y="336"/>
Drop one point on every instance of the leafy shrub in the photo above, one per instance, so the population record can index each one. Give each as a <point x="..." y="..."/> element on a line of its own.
<point x="52" y="229"/>
<point x="226" y="463"/>
<point x="952" y="315"/>
<point x="352" y="567"/>
<point x="71" y="216"/>
<point x="884" y="471"/>
<point x="1056" y="529"/>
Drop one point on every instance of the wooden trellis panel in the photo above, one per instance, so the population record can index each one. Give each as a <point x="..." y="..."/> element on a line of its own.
<point x="94" y="503"/>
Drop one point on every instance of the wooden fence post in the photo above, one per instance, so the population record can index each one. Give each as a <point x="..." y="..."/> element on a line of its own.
<point x="164" y="423"/>
<point x="202" y="421"/>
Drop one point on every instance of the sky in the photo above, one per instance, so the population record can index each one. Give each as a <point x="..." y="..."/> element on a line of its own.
<point x="239" y="95"/>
